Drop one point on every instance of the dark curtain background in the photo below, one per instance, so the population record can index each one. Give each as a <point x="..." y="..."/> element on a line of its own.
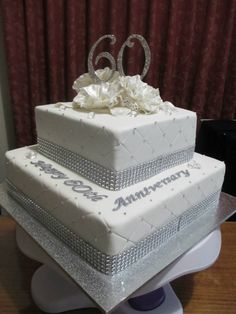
<point x="193" y="45"/>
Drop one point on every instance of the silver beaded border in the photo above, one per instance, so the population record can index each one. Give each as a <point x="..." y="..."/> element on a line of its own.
<point x="107" y="178"/>
<point x="114" y="264"/>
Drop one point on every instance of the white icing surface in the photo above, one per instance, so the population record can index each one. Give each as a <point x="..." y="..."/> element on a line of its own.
<point x="112" y="231"/>
<point x="117" y="142"/>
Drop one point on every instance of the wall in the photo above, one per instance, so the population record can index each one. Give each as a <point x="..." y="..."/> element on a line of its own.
<point x="6" y="124"/>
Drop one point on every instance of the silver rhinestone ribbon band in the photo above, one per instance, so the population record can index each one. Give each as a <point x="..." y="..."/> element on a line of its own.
<point x="114" y="264"/>
<point x="107" y="178"/>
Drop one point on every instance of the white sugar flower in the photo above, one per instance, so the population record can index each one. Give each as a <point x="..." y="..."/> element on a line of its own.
<point x="138" y="95"/>
<point x="86" y="80"/>
<point x="104" y="95"/>
<point x="82" y="81"/>
<point x="120" y="91"/>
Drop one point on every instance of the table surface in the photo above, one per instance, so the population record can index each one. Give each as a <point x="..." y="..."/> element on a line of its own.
<point x="209" y="291"/>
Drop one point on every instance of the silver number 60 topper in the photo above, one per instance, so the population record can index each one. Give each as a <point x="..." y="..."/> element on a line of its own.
<point x="111" y="59"/>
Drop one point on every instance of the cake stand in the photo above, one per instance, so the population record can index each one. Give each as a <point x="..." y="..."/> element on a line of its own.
<point x="54" y="292"/>
<point x="66" y="282"/>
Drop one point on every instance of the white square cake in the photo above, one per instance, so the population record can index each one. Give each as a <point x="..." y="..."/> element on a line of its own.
<point x="114" y="183"/>
<point x="117" y="150"/>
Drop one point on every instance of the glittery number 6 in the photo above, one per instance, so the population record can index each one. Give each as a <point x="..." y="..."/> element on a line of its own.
<point x="130" y="44"/>
<point x="105" y="55"/>
<point x="111" y="59"/>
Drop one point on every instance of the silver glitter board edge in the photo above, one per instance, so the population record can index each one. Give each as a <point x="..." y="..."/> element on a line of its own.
<point x="109" y="291"/>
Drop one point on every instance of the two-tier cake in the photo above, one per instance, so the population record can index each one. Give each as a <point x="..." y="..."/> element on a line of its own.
<point x="114" y="174"/>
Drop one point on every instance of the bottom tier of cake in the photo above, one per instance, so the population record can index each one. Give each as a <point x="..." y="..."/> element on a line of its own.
<point x="113" y="229"/>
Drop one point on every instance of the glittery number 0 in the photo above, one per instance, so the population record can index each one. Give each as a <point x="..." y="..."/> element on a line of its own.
<point x="130" y="44"/>
<point x="111" y="59"/>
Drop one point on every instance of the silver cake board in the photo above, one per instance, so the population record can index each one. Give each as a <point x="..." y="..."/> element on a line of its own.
<point x="54" y="292"/>
<point x="109" y="291"/>
<point x="68" y="298"/>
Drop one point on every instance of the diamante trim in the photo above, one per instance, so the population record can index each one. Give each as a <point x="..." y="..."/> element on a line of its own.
<point x="114" y="264"/>
<point x="107" y="178"/>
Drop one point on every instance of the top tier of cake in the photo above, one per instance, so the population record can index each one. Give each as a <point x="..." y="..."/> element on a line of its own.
<point x="115" y="151"/>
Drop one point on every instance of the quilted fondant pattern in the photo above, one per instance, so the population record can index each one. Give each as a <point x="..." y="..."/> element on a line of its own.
<point x="112" y="264"/>
<point x="117" y="142"/>
<point x="107" y="230"/>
